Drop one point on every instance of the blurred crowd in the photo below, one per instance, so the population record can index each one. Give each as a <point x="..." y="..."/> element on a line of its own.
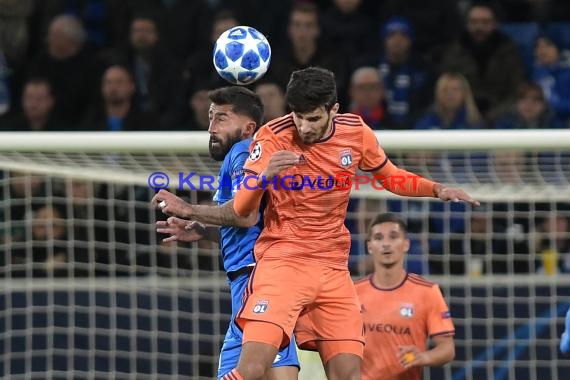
<point x="112" y="65"/>
<point x="141" y="65"/>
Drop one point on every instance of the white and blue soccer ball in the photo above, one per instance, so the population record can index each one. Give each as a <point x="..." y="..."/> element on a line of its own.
<point x="242" y="55"/>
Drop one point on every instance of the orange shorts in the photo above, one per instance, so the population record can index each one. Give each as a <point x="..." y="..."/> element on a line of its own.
<point x="320" y="304"/>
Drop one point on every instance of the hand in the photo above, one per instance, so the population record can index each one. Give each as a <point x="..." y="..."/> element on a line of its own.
<point x="411" y="356"/>
<point x="280" y="160"/>
<point x="453" y="194"/>
<point x="180" y="230"/>
<point x="170" y="204"/>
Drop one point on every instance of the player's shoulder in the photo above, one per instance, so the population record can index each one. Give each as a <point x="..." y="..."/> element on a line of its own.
<point x="420" y="282"/>
<point x="362" y="284"/>
<point x="349" y="120"/>
<point x="276" y="126"/>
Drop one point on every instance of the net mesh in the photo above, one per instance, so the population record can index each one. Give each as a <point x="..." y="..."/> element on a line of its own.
<point x="90" y="291"/>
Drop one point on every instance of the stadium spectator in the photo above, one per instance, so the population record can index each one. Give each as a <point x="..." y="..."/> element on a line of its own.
<point x="198" y="104"/>
<point x="22" y="188"/>
<point x="305" y="48"/>
<point x="157" y="76"/>
<point x="454" y="106"/>
<point x="37" y="109"/>
<point x="68" y="65"/>
<point x="519" y="11"/>
<point x="346" y="28"/>
<point x="273" y="99"/>
<point x="489" y="59"/>
<point x="366" y="93"/>
<point x="14" y="43"/>
<point x="553" y="244"/>
<point x="106" y="21"/>
<point x="495" y="244"/>
<point x="266" y="16"/>
<point x="396" y="343"/>
<point x="198" y="67"/>
<point x="435" y="22"/>
<point x="407" y="79"/>
<point x="551" y="70"/>
<point x="118" y="111"/>
<point x="5" y="88"/>
<point x="48" y="251"/>
<point x="180" y="36"/>
<point x="531" y="111"/>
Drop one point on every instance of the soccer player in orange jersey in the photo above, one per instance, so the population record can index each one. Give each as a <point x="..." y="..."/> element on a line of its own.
<point x="301" y="280"/>
<point x="400" y="310"/>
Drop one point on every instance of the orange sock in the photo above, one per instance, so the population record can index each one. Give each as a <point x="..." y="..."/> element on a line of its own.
<point x="232" y="375"/>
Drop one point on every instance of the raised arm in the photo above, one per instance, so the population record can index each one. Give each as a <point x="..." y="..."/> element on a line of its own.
<point x="400" y="181"/>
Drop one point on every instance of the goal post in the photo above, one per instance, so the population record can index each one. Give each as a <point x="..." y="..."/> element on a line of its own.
<point x="90" y="291"/>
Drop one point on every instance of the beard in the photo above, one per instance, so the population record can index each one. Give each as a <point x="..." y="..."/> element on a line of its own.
<point x="319" y="134"/>
<point x="219" y="151"/>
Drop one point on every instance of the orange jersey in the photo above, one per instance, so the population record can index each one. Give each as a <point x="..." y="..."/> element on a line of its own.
<point x="306" y="206"/>
<point x="308" y="224"/>
<point x="405" y="315"/>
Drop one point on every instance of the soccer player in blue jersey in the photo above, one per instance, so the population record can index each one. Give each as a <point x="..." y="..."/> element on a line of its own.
<point x="235" y="114"/>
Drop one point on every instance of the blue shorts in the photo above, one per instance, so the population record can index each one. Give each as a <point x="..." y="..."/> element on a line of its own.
<point x="231" y="348"/>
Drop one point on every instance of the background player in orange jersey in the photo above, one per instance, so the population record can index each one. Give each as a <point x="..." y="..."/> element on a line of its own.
<point x="400" y="310"/>
<point x="301" y="280"/>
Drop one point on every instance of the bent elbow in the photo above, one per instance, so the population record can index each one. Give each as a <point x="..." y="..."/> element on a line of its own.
<point x="242" y="212"/>
<point x="249" y="221"/>
<point x="239" y="212"/>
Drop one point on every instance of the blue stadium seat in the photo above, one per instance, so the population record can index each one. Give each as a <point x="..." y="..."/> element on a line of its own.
<point x="562" y="30"/>
<point x="524" y="34"/>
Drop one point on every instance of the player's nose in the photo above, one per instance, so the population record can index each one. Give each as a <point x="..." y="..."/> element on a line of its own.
<point x="305" y="127"/>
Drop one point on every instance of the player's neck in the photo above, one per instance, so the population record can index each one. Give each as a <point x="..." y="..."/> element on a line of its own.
<point x="328" y="131"/>
<point x="388" y="278"/>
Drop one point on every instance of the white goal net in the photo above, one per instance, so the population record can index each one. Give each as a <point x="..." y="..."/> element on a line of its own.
<point x="89" y="291"/>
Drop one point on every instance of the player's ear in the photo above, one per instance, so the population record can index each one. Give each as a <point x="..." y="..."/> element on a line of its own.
<point x="334" y="109"/>
<point x="407" y="245"/>
<point x="368" y="250"/>
<point x="250" y="128"/>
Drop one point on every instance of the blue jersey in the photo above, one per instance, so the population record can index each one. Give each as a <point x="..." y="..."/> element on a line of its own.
<point x="236" y="243"/>
<point x="237" y="252"/>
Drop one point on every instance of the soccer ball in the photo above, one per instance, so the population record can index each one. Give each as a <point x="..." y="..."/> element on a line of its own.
<point x="242" y="55"/>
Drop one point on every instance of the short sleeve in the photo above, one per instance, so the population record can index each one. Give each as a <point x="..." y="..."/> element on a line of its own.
<point x="439" y="318"/>
<point x="262" y="148"/>
<point x="373" y="156"/>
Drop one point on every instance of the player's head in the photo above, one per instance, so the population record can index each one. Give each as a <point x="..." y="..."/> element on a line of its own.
<point x="235" y="114"/>
<point x="312" y="96"/>
<point x="387" y="240"/>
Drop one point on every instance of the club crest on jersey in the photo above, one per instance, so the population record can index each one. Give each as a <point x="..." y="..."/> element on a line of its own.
<point x="346" y="158"/>
<point x="407" y="310"/>
<point x="260" y="307"/>
<point x="255" y="153"/>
